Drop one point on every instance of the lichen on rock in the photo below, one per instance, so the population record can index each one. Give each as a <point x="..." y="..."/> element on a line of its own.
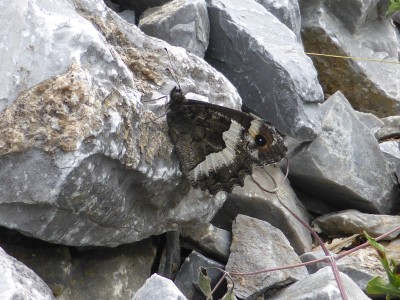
<point x="58" y="112"/>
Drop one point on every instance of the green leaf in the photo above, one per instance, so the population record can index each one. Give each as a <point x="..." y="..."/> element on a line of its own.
<point x="204" y="283"/>
<point x="374" y="243"/>
<point x="394" y="6"/>
<point x="396" y="280"/>
<point x="229" y="296"/>
<point x="378" y="286"/>
<point x="382" y="255"/>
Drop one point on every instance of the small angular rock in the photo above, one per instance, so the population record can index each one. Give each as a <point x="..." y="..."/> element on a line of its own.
<point x="182" y="23"/>
<point x="350" y="222"/>
<point x="211" y="239"/>
<point x="344" y="165"/>
<point x="320" y="285"/>
<point x="256" y="245"/>
<point x="252" y="201"/>
<point x="188" y="276"/>
<point x="158" y="287"/>
<point x="17" y="281"/>
<point x="390" y="128"/>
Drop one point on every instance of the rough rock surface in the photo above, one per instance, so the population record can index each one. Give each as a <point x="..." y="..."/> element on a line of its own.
<point x="17" y="281"/>
<point x="158" y="287"/>
<point x="287" y="11"/>
<point x="99" y="273"/>
<point x="85" y="158"/>
<point x="210" y="239"/>
<point x="361" y="266"/>
<point x="354" y="28"/>
<point x="390" y="128"/>
<point x="391" y="152"/>
<point x="350" y="222"/>
<point x="320" y="285"/>
<point x="182" y="23"/>
<point x="252" y="201"/>
<point x="256" y="245"/>
<point x="92" y="169"/>
<point x="187" y="280"/>
<point x="171" y="255"/>
<point x="344" y="165"/>
<point x="264" y="61"/>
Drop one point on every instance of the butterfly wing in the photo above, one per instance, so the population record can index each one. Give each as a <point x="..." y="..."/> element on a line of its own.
<point x="218" y="146"/>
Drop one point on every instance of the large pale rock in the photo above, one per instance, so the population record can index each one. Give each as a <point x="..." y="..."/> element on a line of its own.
<point x="17" y="281"/>
<point x="182" y="23"/>
<point x="354" y="29"/>
<point x="251" y="200"/>
<point x="82" y="161"/>
<point x="256" y="245"/>
<point x="263" y="59"/>
<point x="344" y="165"/>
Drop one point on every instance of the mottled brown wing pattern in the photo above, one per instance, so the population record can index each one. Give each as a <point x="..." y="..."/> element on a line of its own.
<point x="217" y="146"/>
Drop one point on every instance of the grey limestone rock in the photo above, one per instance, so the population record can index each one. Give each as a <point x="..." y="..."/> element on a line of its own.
<point x="371" y="121"/>
<point x="182" y="23"/>
<point x="256" y="245"/>
<point x="87" y="272"/>
<point x="361" y="266"/>
<point x="352" y="13"/>
<point x="287" y="11"/>
<point x="17" y="281"/>
<point x="370" y="86"/>
<point x="264" y="61"/>
<point x="344" y="165"/>
<point x="171" y="255"/>
<point x="210" y="239"/>
<point x="320" y="285"/>
<point x="187" y="279"/>
<point x="348" y="222"/>
<point x="82" y="161"/>
<point x="391" y="152"/>
<point x="252" y="201"/>
<point x="390" y="128"/>
<point x="158" y="287"/>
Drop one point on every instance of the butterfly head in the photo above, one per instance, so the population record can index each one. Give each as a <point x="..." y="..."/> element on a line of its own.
<point x="176" y="96"/>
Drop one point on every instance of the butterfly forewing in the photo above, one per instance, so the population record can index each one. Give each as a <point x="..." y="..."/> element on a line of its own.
<point x="218" y="146"/>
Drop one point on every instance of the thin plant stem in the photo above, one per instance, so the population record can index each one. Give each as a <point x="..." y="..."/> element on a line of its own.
<point x="366" y="244"/>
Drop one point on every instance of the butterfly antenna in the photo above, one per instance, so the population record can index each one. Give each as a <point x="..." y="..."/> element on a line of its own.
<point x="277" y="186"/>
<point x="155" y="119"/>
<point x="153" y="100"/>
<point x="170" y="71"/>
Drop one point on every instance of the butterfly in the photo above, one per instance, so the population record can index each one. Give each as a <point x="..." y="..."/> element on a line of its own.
<point x="218" y="146"/>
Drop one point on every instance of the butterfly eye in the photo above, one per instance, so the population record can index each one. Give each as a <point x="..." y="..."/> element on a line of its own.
<point x="260" y="140"/>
